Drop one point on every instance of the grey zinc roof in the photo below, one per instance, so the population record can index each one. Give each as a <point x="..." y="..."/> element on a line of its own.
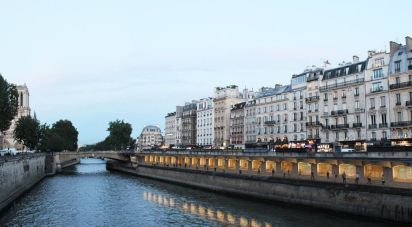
<point x="274" y="91"/>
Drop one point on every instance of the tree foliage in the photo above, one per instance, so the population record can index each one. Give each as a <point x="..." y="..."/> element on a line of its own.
<point x="27" y="132"/>
<point x="119" y="137"/>
<point x="61" y="136"/>
<point x="8" y="103"/>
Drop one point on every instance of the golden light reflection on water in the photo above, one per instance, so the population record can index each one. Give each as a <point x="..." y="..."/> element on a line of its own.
<point x="203" y="212"/>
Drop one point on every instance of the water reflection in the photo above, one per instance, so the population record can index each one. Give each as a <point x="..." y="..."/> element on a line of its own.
<point x="208" y="213"/>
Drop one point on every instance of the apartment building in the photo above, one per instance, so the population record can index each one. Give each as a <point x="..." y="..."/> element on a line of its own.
<point x="205" y="122"/>
<point x="170" y="129"/>
<point x="237" y="125"/>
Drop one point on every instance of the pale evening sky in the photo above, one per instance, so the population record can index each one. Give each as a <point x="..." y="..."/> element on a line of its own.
<point x="97" y="61"/>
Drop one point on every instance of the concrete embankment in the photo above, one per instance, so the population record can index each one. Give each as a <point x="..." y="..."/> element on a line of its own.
<point x="19" y="174"/>
<point x="376" y="202"/>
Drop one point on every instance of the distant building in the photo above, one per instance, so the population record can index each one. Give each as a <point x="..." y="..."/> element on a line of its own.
<point x="170" y="129"/>
<point x="23" y="110"/>
<point x="179" y="125"/>
<point x="237" y="125"/>
<point x="204" y="126"/>
<point x="223" y="101"/>
<point x="189" y="123"/>
<point x="150" y="137"/>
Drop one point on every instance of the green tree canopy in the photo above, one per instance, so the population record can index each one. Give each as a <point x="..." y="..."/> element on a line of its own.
<point x="8" y="103"/>
<point x="119" y="137"/>
<point x="61" y="136"/>
<point x="27" y="132"/>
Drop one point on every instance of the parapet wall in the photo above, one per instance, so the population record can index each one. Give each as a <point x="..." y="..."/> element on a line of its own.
<point x="394" y="204"/>
<point x="18" y="175"/>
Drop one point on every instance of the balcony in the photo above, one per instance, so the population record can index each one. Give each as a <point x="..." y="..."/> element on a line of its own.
<point x="377" y="89"/>
<point x="398" y="103"/>
<point x="357" y="110"/>
<point x="400" y="85"/>
<point x="357" y="125"/>
<point x="339" y="126"/>
<point x="270" y="122"/>
<point x="383" y="125"/>
<point x="408" y="103"/>
<point x="356" y="94"/>
<point x="383" y="107"/>
<point x="372" y="108"/>
<point x="342" y="84"/>
<point x="316" y="136"/>
<point x="312" y="99"/>
<point x="339" y="112"/>
<point x="325" y="100"/>
<point x="409" y="67"/>
<point x="401" y="124"/>
<point x="313" y="124"/>
<point x="373" y="126"/>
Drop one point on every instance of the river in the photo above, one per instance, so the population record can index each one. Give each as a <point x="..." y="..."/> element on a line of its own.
<point x="89" y="195"/>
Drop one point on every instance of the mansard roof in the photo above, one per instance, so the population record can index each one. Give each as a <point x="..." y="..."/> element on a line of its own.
<point x="344" y="70"/>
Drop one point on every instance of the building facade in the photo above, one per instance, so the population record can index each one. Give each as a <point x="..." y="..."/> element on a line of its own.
<point x="400" y="96"/>
<point x="150" y="137"/>
<point x="189" y="123"/>
<point x="250" y="122"/>
<point x="170" y="129"/>
<point x="223" y="101"/>
<point x="23" y="110"/>
<point x="179" y="125"/>
<point x="205" y="122"/>
<point x="237" y="125"/>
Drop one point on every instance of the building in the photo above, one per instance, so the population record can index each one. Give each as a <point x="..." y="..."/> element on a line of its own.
<point x="342" y="102"/>
<point x="150" y="137"/>
<point x="204" y="126"/>
<point x="224" y="99"/>
<point x="170" y="129"/>
<point x="313" y="125"/>
<point x="179" y="125"/>
<point x="272" y="114"/>
<point x="23" y="110"/>
<point x="377" y="97"/>
<point x="250" y="122"/>
<point x="189" y="124"/>
<point x="237" y="125"/>
<point x="298" y="113"/>
<point x="400" y="97"/>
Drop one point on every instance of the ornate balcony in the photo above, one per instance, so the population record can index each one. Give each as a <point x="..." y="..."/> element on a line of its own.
<point x="339" y="126"/>
<point x="313" y="124"/>
<point x="400" y="85"/>
<point x="342" y="84"/>
<point x="339" y="112"/>
<point x="373" y="126"/>
<point x="408" y="103"/>
<point x="312" y="99"/>
<point x="401" y="124"/>
<point x="383" y="125"/>
<point x="270" y="122"/>
<point x="357" y="125"/>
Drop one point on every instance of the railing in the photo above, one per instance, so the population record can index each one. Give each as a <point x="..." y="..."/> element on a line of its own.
<point x="357" y="125"/>
<point x="401" y="123"/>
<point x="383" y="125"/>
<point x="312" y="99"/>
<point x="398" y="103"/>
<point x="338" y="112"/>
<point x="408" y="103"/>
<point x="342" y="84"/>
<point x="270" y="122"/>
<point x="315" y="123"/>
<point x="400" y="85"/>
<point x="379" y="89"/>
<point x="339" y="126"/>
<point x="372" y="126"/>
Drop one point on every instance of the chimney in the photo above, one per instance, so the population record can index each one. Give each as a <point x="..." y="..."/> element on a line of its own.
<point x="393" y="47"/>
<point x="278" y="86"/>
<point x="408" y="42"/>
<point x="355" y="59"/>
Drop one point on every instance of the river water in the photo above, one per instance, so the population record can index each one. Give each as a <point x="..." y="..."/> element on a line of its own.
<point x="89" y="195"/>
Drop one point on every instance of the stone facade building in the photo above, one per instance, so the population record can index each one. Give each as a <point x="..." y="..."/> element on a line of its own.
<point x="170" y="129"/>
<point x="237" y="125"/>
<point x="179" y="125"/>
<point x="250" y="122"/>
<point x="313" y="123"/>
<point x="400" y="97"/>
<point x="150" y="137"/>
<point x="189" y="123"/>
<point x="205" y="122"/>
<point x="23" y="110"/>
<point x="223" y="101"/>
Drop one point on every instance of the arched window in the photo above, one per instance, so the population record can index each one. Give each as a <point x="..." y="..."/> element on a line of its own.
<point x="21" y="98"/>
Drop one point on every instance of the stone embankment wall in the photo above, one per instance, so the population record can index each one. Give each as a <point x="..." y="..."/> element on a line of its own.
<point x="18" y="174"/>
<point x="392" y="204"/>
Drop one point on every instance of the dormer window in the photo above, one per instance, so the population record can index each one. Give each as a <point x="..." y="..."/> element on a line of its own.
<point x="397" y="66"/>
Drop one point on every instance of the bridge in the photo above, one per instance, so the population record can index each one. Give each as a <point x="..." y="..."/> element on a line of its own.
<point x="65" y="159"/>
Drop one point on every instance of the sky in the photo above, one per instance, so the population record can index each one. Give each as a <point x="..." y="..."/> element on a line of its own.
<point x="97" y="61"/>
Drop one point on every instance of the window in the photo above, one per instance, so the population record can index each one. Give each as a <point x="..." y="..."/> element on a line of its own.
<point x="410" y="96"/>
<point x="377" y="87"/>
<point x="379" y="62"/>
<point x="325" y="96"/>
<point x="399" y="116"/>
<point x="397" y="66"/>
<point x="373" y="119"/>
<point x="384" y="136"/>
<point x="357" y="105"/>
<point x="398" y="99"/>
<point x="357" y="91"/>
<point x="373" y="135"/>
<point x="383" y="118"/>
<point x="377" y="74"/>
<point x="358" y="119"/>
<point x="398" y="80"/>
<point x="372" y="101"/>
<point x="383" y="101"/>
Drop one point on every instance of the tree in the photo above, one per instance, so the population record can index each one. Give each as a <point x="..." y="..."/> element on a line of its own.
<point x="27" y="132"/>
<point x="61" y="136"/>
<point x="8" y="103"/>
<point x="119" y="137"/>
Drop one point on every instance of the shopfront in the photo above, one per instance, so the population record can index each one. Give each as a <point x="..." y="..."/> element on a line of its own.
<point x="286" y="166"/>
<point x="270" y="165"/>
<point x="348" y="169"/>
